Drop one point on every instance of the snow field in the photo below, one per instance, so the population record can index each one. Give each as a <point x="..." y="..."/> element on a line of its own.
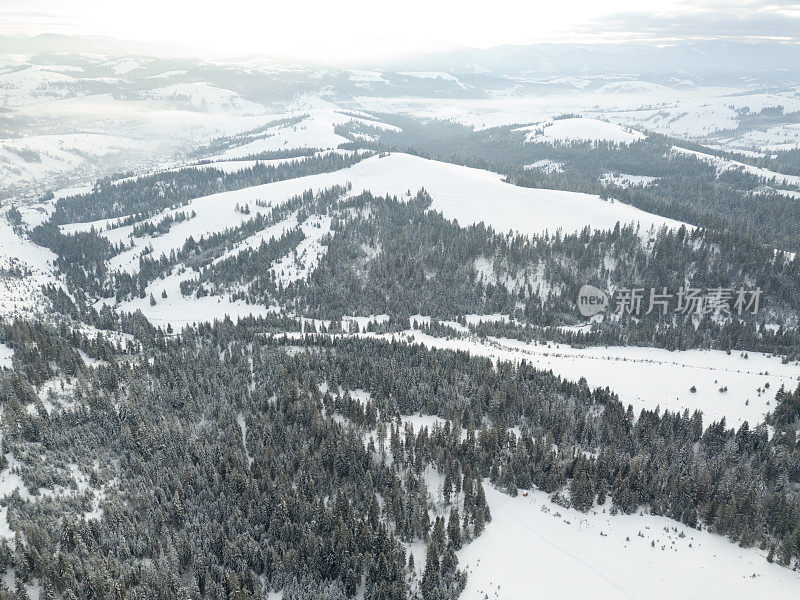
<point x="647" y="378"/>
<point x="315" y="130"/>
<point x="547" y="166"/>
<point x="533" y="548"/>
<point x="24" y="268"/>
<point x="724" y="164"/>
<point x="580" y="129"/>
<point x="6" y="354"/>
<point x="624" y="180"/>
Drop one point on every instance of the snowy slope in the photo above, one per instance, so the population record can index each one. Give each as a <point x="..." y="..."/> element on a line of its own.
<point x="21" y="86"/>
<point x="180" y="311"/>
<point x="429" y="75"/>
<point x="42" y="156"/>
<point x="316" y="129"/>
<point x="546" y="166"/>
<point x="6" y="354"/>
<point x="462" y="193"/>
<point x="24" y="268"/>
<point x="648" y="378"/>
<point x="204" y="96"/>
<point x="533" y="548"/>
<point x="724" y="164"/>
<point x="474" y="196"/>
<point x="624" y="180"/>
<point x="308" y="254"/>
<point x="580" y="129"/>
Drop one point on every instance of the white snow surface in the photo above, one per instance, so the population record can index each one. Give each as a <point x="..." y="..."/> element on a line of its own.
<point x="315" y="130"/>
<point x="180" y="311"/>
<point x="42" y="156"/>
<point x="580" y="129"/>
<point x="724" y="164"/>
<point x="204" y="96"/>
<point x="647" y="378"/>
<point x="6" y="354"/>
<point x="367" y="76"/>
<point x="546" y="165"/>
<point x="529" y="551"/>
<point x="624" y="180"/>
<point x="299" y="263"/>
<point x="466" y="194"/>
<point x="20" y="296"/>
<point x="429" y="75"/>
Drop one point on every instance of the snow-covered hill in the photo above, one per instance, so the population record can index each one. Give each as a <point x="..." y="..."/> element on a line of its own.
<point x="571" y="129"/>
<point x="462" y="193"/>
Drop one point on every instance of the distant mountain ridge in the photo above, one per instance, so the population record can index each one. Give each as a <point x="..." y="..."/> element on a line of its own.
<point x="778" y="61"/>
<point x="768" y="60"/>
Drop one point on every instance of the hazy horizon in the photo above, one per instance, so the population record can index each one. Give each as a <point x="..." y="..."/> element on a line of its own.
<point x="359" y="32"/>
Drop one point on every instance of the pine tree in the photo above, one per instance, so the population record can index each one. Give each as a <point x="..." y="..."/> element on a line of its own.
<point x="454" y="528"/>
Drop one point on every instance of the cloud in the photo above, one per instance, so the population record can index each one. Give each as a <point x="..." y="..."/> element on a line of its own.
<point x="354" y="29"/>
<point x="735" y="20"/>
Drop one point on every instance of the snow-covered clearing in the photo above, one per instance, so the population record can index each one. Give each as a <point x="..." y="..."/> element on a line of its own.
<point x="418" y="421"/>
<point x="180" y="311"/>
<point x="787" y="193"/>
<point x="434" y="75"/>
<point x="365" y="76"/>
<point x="298" y="264"/>
<point x="724" y="164"/>
<point x="580" y="129"/>
<point x="648" y="378"/>
<point x="429" y="75"/>
<point x="644" y="377"/>
<point x="546" y="166"/>
<point x="534" y="548"/>
<point x="624" y="180"/>
<point x="6" y="354"/>
<point x="348" y="322"/>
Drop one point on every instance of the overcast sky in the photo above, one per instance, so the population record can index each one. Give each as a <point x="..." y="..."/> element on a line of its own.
<point x="343" y="30"/>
